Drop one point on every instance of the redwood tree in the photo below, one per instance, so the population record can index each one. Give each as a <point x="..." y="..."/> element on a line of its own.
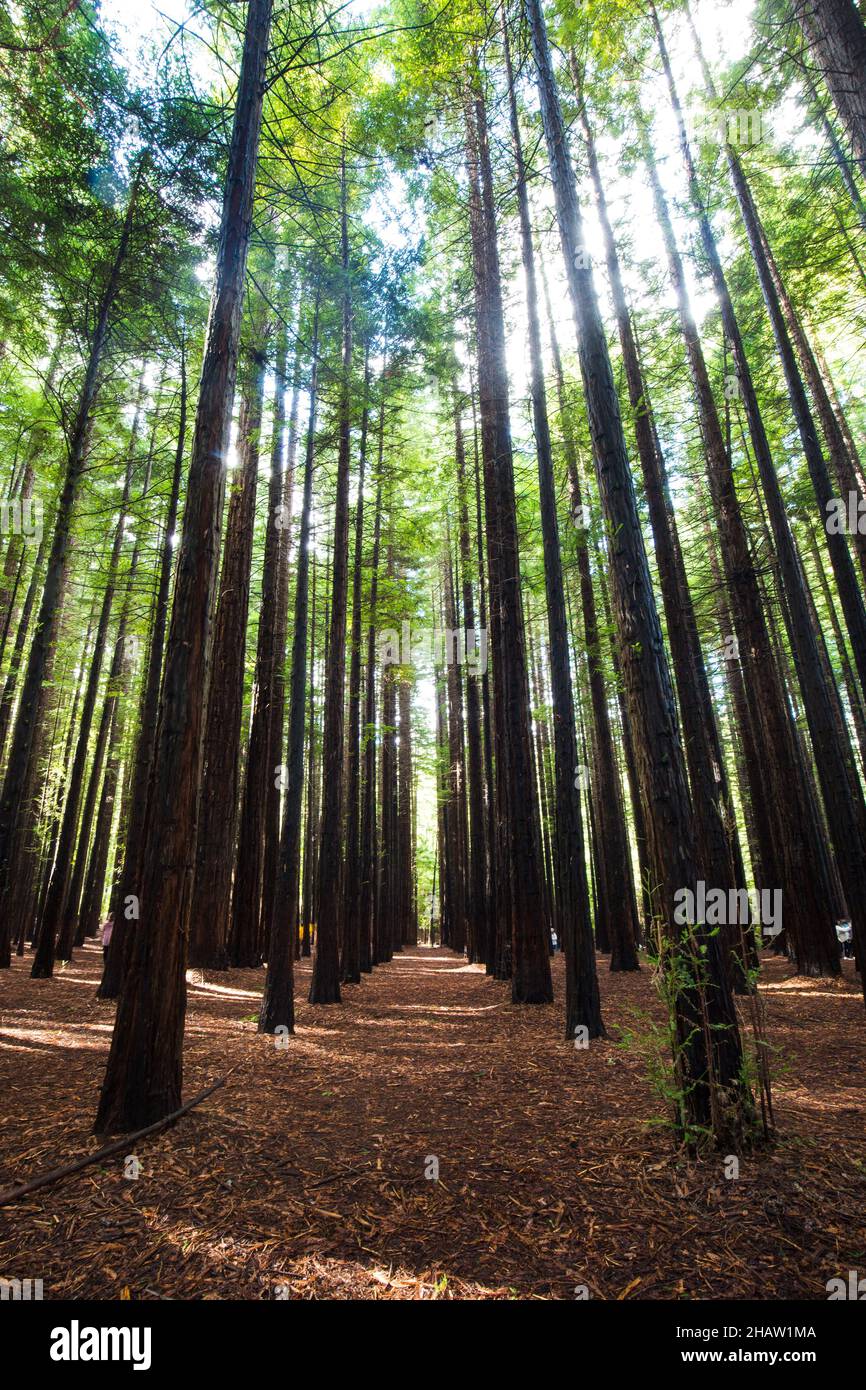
<point x="145" y="1064"/>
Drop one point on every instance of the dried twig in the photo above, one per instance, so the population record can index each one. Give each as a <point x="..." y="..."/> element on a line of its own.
<point x="55" y="1174"/>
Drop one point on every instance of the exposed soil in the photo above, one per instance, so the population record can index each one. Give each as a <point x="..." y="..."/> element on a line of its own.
<point x="305" y="1175"/>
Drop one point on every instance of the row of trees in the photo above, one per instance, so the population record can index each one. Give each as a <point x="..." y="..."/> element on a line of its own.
<point x="202" y="731"/>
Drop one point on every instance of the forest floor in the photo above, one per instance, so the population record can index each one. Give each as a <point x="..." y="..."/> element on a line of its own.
<point x="305" y="1175"/>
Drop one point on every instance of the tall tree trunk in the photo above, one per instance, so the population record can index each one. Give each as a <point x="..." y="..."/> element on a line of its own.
<point x="837" y="37"/>
<point x="781" y="316"/>
<point x="246" y="944"/>
<point x="573" y="925"/>
<point x="56" y="899"/>
<point x="852" y="689"/>
<point x="27" y="903"/>
<point x="794" y="858"/>
<point x="383" y="945"/>
<point x="478" y="910"/>
<point x="541" y="761"/>
<point x="144" y="1075"/>
<point x="616" y="909"/>
<point x="443" y="814"/>
<point x="839" y="159"/>
<point x="270" y="864"/>
<point x="23" y="630"/>
<point x="456" y="780"/>
<point x="97" y="866"/>
<point x="12" y="560"/>
<point x="12" y="598"/>
<point x="520" y="895"/>
<point x="834" y="756"/>
<point x="841" y="418"/>
<point x="325" y="984"/>
<point x="109" y="728"/>
<point x="404" y="812"/>
<point x="708" y="1048"/>
<point x="124" y="897"/>
<point x="303" y="947"/>
<point x="700" y="736"/>
<point x="494" y="959"/>
<point x="278" y="1003"/>
<point x="369" y="852"/>
<point x="13" y="827"/>
<point x="210" y="912"/>
<point x="351" y="910"/>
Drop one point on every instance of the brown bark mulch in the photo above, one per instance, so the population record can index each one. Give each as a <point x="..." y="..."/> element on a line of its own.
<point x="305" y="1176"/>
